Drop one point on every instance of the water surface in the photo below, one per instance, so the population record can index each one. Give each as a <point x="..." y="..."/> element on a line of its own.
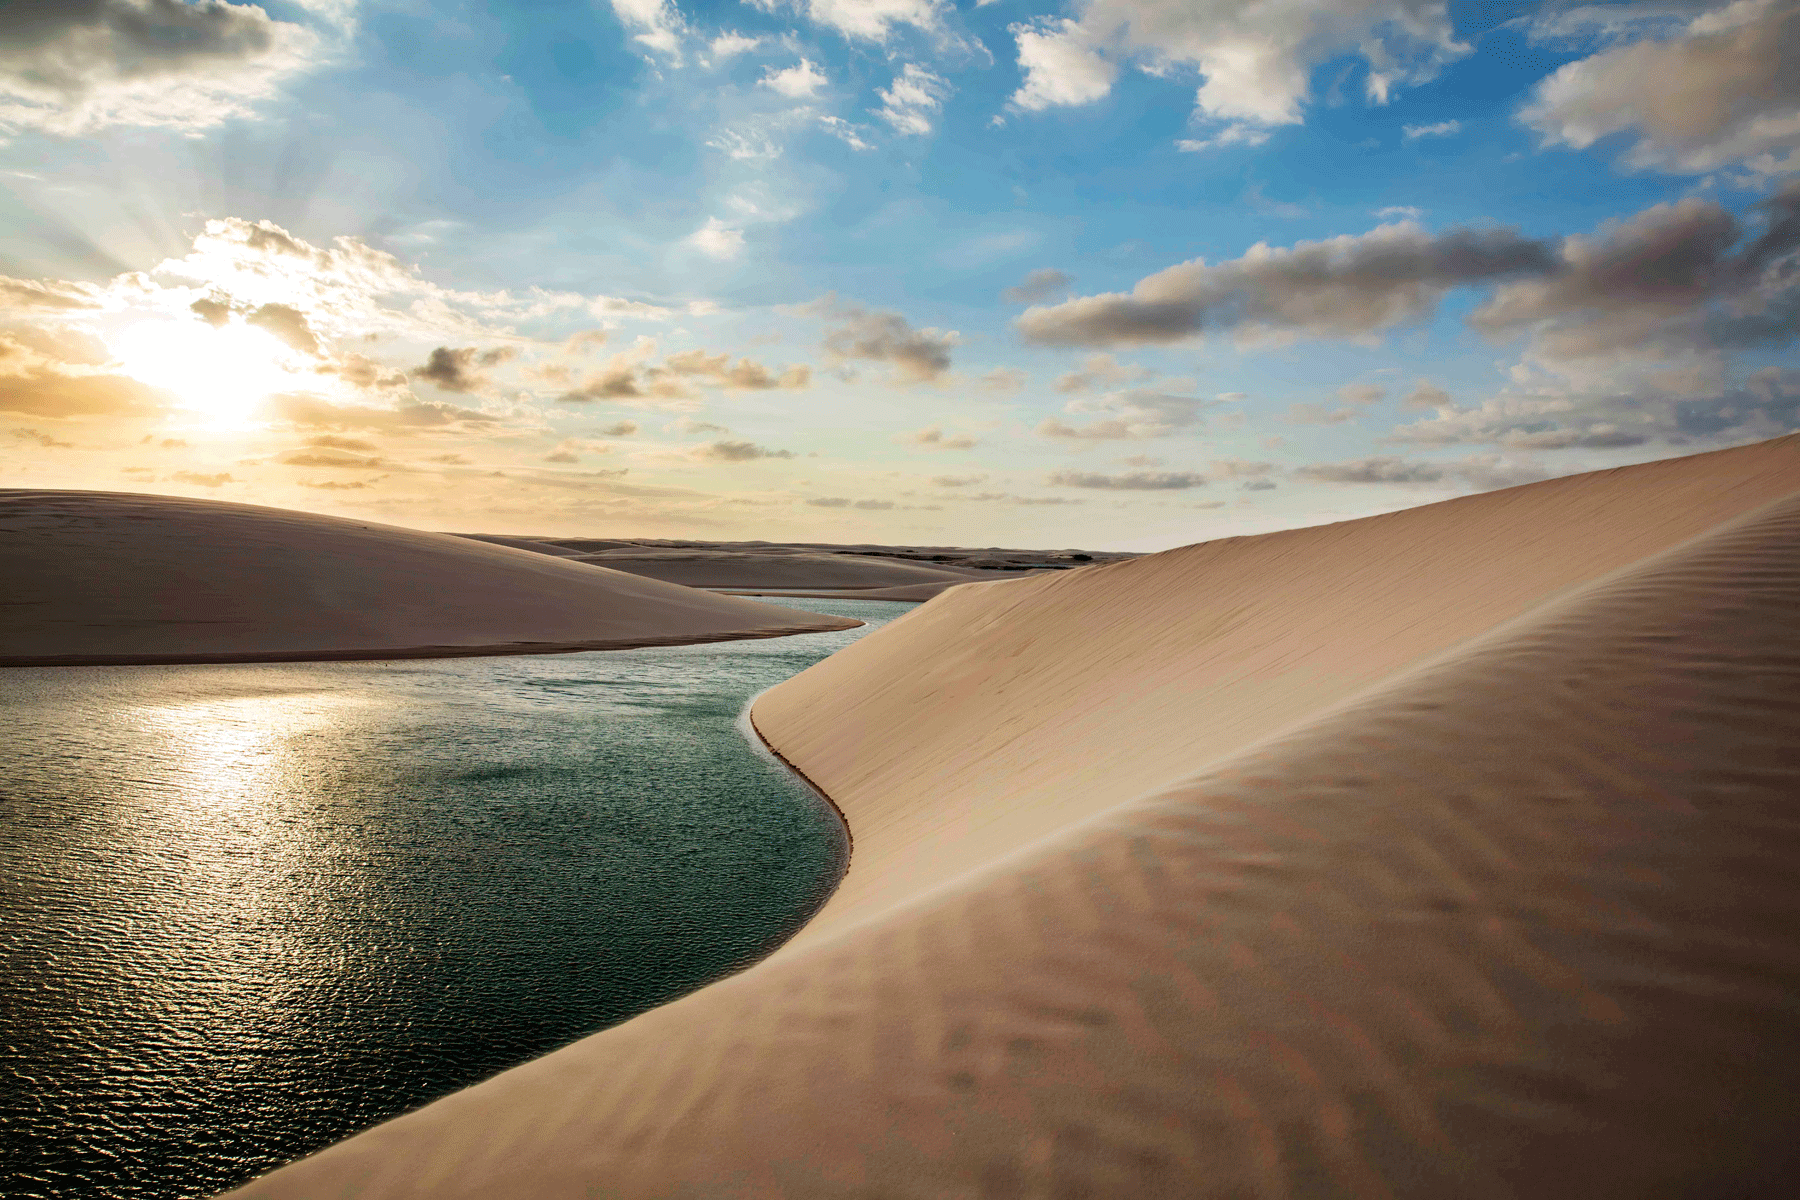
<point x="248" y="910"/>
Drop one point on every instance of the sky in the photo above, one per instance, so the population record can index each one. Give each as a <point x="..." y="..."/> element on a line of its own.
<point x="1107" y="274"/>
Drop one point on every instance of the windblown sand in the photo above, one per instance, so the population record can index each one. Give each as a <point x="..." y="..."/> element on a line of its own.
<point x="100" y="577"/>
<point x="1447" y="853"/>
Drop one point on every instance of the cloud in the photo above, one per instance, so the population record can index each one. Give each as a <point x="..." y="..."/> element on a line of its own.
<point x="798" y="82"/>
<point x="332" y="442"/>
<point x="340" y="485"/>
<point x="621" y="429"/>
<point x="326" y="457"/>
<point x="286" y="323"/>
<point x="932" y="437"/>
<point x="913" y="99"/>
<point x="717" y="239"/>
<point x="846" y="502"/>
<point x="1100" y="370"/>
<point x="1255" y="59"/>
<point x="1238" y="468"/>
<point x="39" y="382"/>
<point x="917" y="355"/>
<point x="42" y="439"/>
<point x="71" y="67"/>
<point x="1038" y="285"/>
<point x="1134" y="413"/>
<point x="461" y="370"/>
<point x="738" y="452"/>
<point x="1136" y="481"/>
<point x="570" y="450"/>
<point x="690" y="426"/>
<point x="956" y="481"/>
<point x="1345" y="286"/>
<point x="659" y="23"/>
<point x="1004" y="379"/>
<point x="869" y="20"/>
<point x="719" y="371"/>
<point x="1318" y="414"/>
<point x="1425" y="394"/>
<point x="1258" y="485"/>
<point x="849" y="133"/>
<point x="730" y="45"/>
<point x="1413" y="133"/>
<point x="199" y="480"/>
<point x="1404" y="212"/>
<point x="1361" y="393"/>
<point x="311" y="412"/>
<point x="53" y="296"/>
<point x="1724" y="90"/>
<point x="1380" y="469"/>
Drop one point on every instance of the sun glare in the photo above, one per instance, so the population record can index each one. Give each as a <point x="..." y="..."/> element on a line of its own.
<point x="222" y="375"/>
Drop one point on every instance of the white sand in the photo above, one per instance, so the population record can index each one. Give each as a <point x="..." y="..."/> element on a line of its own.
<point x="100" y="577"/>
<point x="1451" y="852"/>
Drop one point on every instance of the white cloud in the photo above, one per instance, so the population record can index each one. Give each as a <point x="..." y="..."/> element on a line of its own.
<point x="717" y="239"/>
<point x="870" y="20"/>
<point x="797" y="82"/>
<point x="914" y="98"/>
<point x="659" y="21"/>
<point x="1255" y="56"/>
<point x="1724" y="90"/>
<point x="848" y="132"/>
<point x="1413" y="133"/>
<point x="730" y="45"/>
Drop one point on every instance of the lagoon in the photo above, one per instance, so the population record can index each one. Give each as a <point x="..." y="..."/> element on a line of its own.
<point x="246" y="911"/>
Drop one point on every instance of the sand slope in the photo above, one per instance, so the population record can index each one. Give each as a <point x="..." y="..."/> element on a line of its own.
<point x="739" y="569"/>
<point x="100" y="577"/>
<point x="1520" y="919"/>
<point x="998" y="713"/>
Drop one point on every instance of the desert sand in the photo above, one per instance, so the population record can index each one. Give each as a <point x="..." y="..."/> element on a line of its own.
<point x="100" y="577"/>
<point x="1450" y="852"/>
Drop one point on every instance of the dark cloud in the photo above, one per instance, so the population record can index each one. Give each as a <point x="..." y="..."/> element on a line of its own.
<point x="933" y="437"/>
<point x="42" y="439"/>
<point x="75" y="65"/>
<point x="1135" y="481"/>
<point x="1380" y="469"/>
<point x="624" y="429"/>
<point x="1041" y="284"/>
<point x="846" y="502"/>
<point x="288" y="324"/>
<point x="1343" y="287"/>
<point x="739" y="452"/>
<point x="462" y="370"/>
<point x="917" y="355"/>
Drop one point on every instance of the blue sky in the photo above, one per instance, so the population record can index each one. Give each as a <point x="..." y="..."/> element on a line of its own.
<point x="1110" y="273"/>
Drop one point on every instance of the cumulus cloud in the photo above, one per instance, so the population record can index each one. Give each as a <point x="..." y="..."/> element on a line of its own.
<point x="933" y="437"/>
<point x="74" y="66"/>
<point x="1131" y="414"/>
<point x="917" y="355"/>
<point x="911" y="102"/>
<point x="1425" y="394"/>
<point x="1347" y="286"/>
<point x="1724" y="90"/>
<point x="1255" y="59"/>
<point x="1135" y="481"/>
<point x="1040" y="284"/>
<point x="717" y="239"/>
<point x="727" y="451"/>
<point x="719" y="371"/>
<point x="1100" y="370"/>
<point x="798" y="82"/>
<point x="659" y="24"/>
<point x="621" y="429"/>
<point x="286" y="323"/>
<point x="462" y="370"/>
<point x="869" y="20"/>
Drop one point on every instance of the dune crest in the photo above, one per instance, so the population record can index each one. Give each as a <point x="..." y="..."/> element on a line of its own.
<point x="104" y="577"/>
<point x="1516" y="919"/>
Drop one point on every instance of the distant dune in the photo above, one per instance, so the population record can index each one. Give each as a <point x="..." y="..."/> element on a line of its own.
<point x="737" y="569"/>
<point x="100" y="577"/>
<point x="1447" y="853"/>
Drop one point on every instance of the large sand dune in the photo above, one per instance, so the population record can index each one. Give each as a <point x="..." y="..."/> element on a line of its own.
<point x="100" y="577"/>
<point x="1448" y="853"/>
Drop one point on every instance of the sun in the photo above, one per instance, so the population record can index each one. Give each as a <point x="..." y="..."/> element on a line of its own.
<point x="222" y="375"/>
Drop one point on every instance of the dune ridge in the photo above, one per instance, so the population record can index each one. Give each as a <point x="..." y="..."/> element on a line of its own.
<point x="1516" y="919"/>
<point x="109" y="578"/>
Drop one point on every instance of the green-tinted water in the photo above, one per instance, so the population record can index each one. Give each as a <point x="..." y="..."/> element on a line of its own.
<point x="248" y="910"/>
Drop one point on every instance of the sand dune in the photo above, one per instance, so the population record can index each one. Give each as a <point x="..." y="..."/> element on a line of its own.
<point x="99" y="577"/>
<point x="739" y="569"/>
<point x="1450" y="852"/>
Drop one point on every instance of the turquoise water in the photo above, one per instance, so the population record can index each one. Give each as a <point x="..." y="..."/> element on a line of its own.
<point x="248" y="910"/>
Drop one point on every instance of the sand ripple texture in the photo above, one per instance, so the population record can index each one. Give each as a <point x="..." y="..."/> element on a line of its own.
<point x="1519" y="916"/>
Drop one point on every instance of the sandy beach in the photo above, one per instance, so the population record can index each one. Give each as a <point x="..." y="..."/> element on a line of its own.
<point x="1443" y="852"/>
<point x="101" y="577"/>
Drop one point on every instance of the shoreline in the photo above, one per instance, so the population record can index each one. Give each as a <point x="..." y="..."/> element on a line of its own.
<point x="492" y="650"/>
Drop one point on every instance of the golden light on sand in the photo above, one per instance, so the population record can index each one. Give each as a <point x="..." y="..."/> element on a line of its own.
<point x="222" y="375"/>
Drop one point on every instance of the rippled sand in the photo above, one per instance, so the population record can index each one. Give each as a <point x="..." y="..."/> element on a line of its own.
<point x="1451" y="852"/>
